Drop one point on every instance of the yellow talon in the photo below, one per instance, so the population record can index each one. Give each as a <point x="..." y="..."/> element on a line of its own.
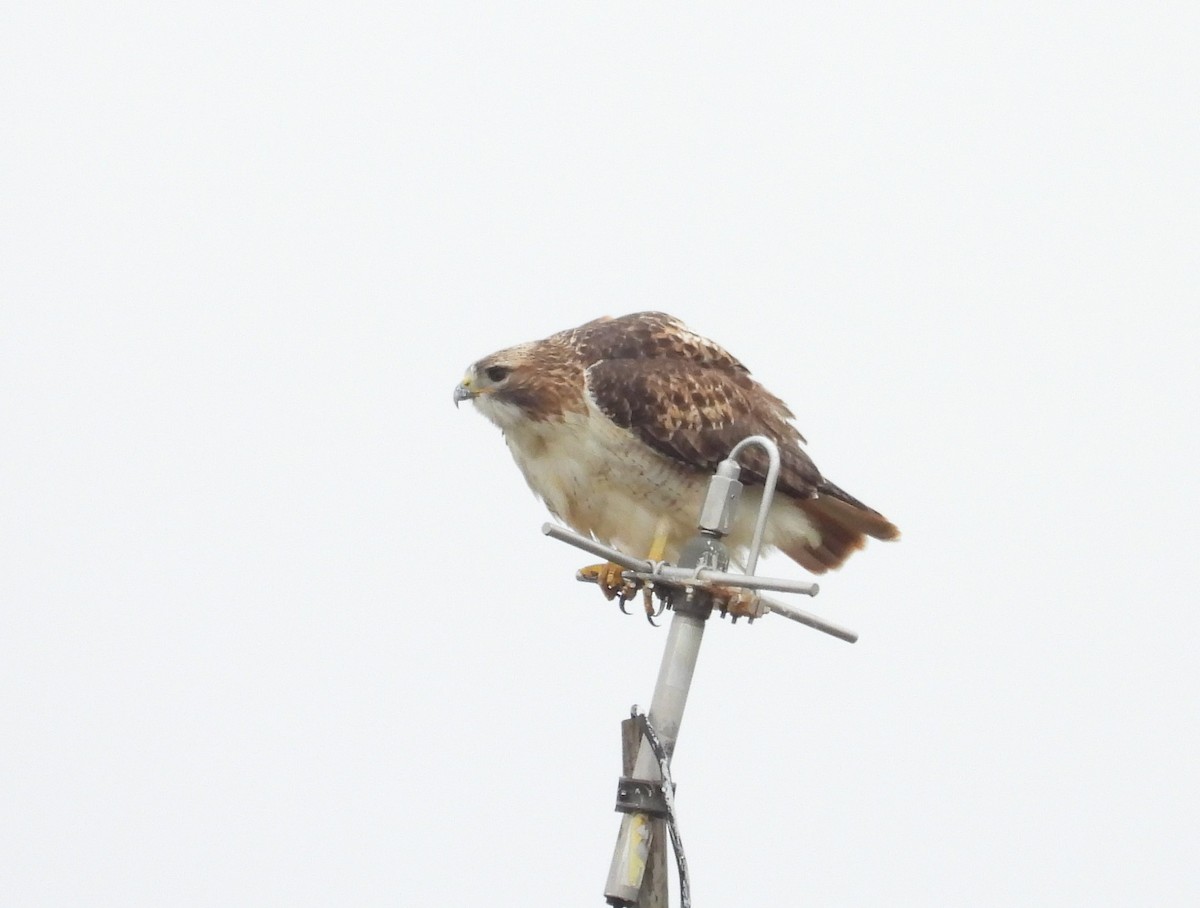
<point x="657" y="547"/>
<point x="607" y="576"/>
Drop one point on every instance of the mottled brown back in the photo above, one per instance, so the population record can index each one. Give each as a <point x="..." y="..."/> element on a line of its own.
<point x="692" y="401"/>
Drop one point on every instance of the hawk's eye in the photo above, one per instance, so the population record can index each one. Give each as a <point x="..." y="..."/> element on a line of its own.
<point x="497" y="373"/>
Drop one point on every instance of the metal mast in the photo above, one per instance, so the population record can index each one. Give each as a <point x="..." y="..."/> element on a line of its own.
<point x="699" y="582"/>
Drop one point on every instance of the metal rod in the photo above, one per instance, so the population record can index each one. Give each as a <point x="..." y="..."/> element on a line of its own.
<point x="820" y="624"/>
<point x="768" y="493"/>
<point x="554" y="531"/>
<point x="644" y="570"/>
<point x="684" y="577"/>
<point x="771" y="605"/>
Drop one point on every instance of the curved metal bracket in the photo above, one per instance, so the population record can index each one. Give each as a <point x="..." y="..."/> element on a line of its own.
<point x="768" y="494"/>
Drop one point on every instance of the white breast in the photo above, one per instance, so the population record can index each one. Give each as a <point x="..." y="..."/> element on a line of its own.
<point x="602" y="481"/>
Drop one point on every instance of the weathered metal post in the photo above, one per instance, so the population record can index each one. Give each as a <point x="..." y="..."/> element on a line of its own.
<point x="699" y="580"/>
<point x="666" y="714"/>
<point x="653" y="893"/>
<point x="692" y="608"/>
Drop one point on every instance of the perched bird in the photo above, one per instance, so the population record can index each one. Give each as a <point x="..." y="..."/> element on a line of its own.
<point x="618" y="425"/>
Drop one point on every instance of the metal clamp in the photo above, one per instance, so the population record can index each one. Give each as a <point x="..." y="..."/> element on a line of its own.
<point x="641" y="796"/>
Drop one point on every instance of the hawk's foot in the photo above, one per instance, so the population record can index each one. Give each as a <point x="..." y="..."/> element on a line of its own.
<point x="608" y="577"/>
<point x="737" y="602"/>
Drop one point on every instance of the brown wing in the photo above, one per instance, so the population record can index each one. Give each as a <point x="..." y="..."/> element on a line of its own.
<point x="695" y="414"/>
<point x="691" y="401"/>
<point x="651" y="335"/>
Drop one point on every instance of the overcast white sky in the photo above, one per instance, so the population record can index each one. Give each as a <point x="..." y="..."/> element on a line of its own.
<point x="278" y="626"/>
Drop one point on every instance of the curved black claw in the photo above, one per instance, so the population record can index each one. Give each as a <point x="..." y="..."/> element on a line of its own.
<point x="622" y="598"/>
<point x="654" y="609"/>
<point x="650" y="618"/>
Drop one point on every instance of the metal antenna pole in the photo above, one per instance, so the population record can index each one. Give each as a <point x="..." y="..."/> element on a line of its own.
<point x="700" y="581"/>
<point x="666" y="714"/>
<point x="692" y="608"/>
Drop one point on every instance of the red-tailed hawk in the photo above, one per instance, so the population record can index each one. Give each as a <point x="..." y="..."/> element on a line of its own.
<point x="618" y="425"/>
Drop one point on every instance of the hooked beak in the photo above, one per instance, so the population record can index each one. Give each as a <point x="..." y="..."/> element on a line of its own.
<point x="461" y="393"/>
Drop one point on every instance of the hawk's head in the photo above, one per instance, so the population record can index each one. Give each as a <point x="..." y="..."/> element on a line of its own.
<point x="535" y="381"/>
